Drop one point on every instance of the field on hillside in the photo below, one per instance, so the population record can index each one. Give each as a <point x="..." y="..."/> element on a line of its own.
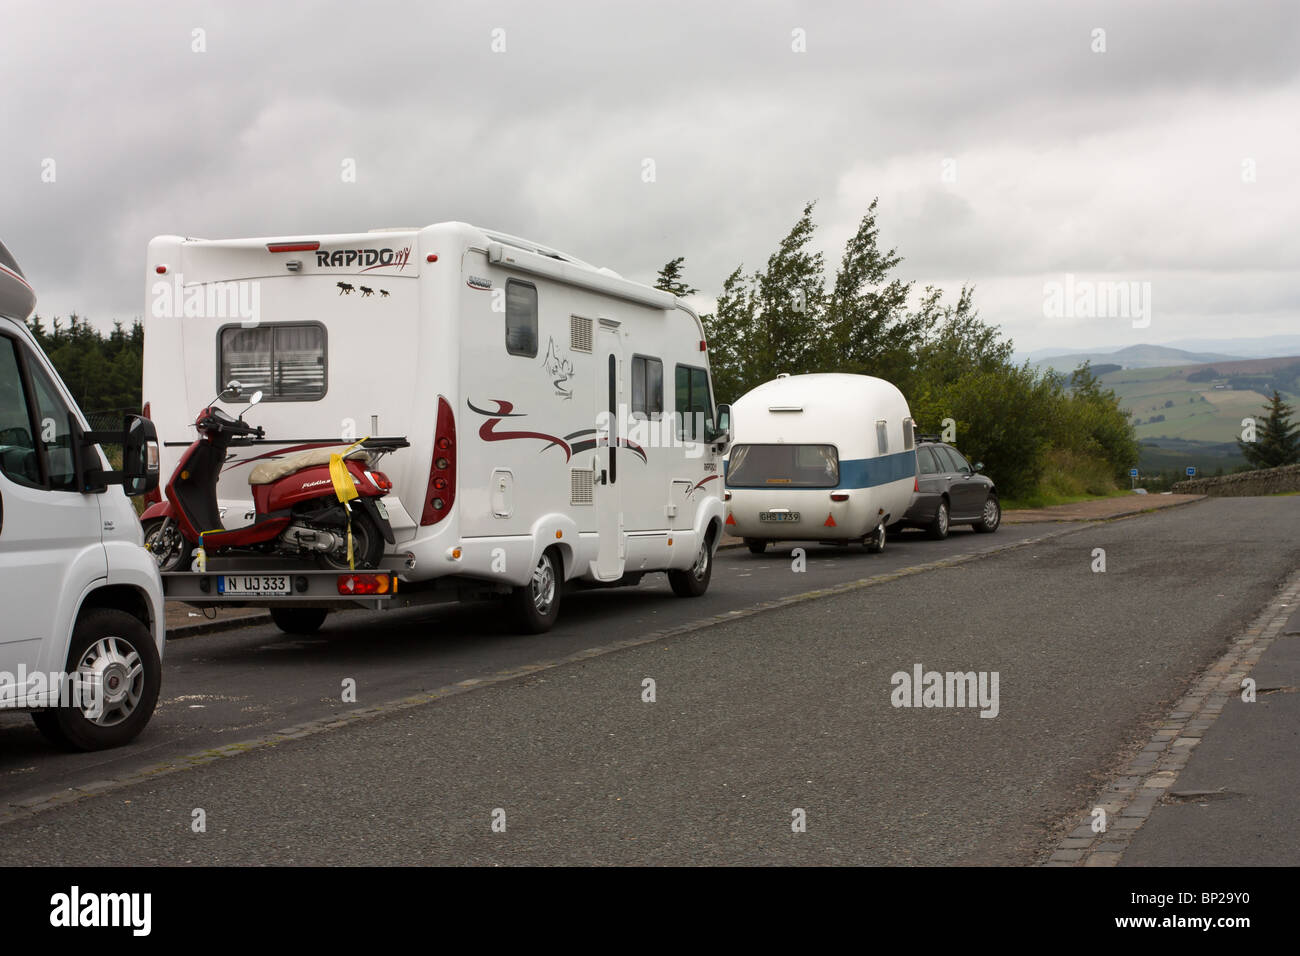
<point x="1196" y="410"/>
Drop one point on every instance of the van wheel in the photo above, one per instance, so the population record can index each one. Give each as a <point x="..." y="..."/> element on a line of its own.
<point x="938" y="529"/>
<point x="537" y="603"/>
<point x="875" y="542"/>
<point x="990" y="517"/>
<point x="367" y="546"/>
<point x="299" y="620"/>
<point x="695" y="582"/>
<point x="163" y="539"/>
<point x="114" y="663"/>
<point x="755" y="545"/>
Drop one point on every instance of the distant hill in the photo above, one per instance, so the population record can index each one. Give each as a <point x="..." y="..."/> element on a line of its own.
<point x="1133" y="356"/>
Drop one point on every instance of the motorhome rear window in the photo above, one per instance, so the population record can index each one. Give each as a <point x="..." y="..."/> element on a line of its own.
<point x="783" y="466"/>
<point x="521" y="318"/>
<point x="285" y="361"/>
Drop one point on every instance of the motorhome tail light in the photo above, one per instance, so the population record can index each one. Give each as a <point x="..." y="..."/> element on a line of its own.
<point x="916" y="483"/>
<point x="703" y="346"/>
<point x="839" y="496"/>
<point x="726" y="496"/>
<point x="161" y="270"/>
<point x="431" y="257"/>
<point x="441" y="493"/>
<point x="365" y="584"/>
<point x="292" y="246"/>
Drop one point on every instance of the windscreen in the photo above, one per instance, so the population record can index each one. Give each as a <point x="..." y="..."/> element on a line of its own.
<point x="783" y="466"/>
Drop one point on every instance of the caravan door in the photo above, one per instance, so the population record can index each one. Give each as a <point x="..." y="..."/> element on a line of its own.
<point x="608" y="492"/>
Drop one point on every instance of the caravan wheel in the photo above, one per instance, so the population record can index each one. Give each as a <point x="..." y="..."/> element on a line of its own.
<point x="875" y="542"/>
<point x="537" y="603"/>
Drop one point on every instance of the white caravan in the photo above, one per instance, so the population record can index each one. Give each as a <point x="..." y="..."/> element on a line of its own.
<point x="560" y="418"/>
<point x="81" y="635"/>
<point x="824" y="457"/>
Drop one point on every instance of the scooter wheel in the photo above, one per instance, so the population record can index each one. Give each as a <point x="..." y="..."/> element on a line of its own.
<point x="168" y="547"/>
<point x="367" y="546"/>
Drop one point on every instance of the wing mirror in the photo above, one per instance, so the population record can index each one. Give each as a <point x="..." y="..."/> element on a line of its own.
<point x="140" y="456"/>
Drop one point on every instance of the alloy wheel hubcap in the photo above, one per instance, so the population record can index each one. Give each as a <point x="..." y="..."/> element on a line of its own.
<point x="990" y="512"/>
<point x="111" y="681"/>
<point x="543" y="586"/>
<point x="702" y="561"/>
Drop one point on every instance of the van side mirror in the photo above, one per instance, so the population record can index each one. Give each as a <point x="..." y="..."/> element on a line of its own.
<point x="140" y="458"/>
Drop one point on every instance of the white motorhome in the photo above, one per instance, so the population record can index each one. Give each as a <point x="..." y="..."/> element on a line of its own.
<point x="823" y="457"/>
<point x="81" y="635"/>
<point x="560" y="418"/>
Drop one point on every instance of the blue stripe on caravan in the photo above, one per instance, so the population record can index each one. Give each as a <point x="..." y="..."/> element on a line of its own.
<point x="869" y="472"/>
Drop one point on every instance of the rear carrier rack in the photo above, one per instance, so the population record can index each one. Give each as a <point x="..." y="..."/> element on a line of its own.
<point x="253" y="585"/>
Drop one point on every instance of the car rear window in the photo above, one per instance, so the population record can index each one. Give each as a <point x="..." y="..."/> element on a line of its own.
<point x="783" y="466"/>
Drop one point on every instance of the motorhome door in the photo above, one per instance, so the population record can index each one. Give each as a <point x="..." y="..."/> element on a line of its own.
<point x="608" y="491"/>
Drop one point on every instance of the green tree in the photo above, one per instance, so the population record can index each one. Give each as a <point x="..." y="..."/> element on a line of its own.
<point x="1278" y="442"/>
<point x="670" y="279"/>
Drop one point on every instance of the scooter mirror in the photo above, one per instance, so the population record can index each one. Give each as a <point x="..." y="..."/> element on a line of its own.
<point x="257" y="397"/>
<point x="232" y="388"/>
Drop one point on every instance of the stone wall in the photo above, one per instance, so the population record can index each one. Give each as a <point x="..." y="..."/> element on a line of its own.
<point x="1268" y="481"/>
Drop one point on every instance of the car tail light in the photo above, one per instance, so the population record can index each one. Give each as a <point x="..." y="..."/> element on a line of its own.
<point x="366" y="584"/>
<point x="441" y="493"/>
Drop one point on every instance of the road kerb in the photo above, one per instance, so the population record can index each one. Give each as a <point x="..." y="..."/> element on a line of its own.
<point x="1135" y="791"/>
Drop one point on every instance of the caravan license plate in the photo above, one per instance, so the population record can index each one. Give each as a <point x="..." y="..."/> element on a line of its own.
<point x="778" y="516"/>
<point x="253" y="585"/>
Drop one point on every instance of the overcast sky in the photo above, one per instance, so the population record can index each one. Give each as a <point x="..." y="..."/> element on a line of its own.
<point x="1005" y="149"/>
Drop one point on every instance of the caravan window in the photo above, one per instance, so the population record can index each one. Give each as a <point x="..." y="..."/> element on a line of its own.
<point x="521" y="318"/>
<point x="882" y="438"/>
<point x="285" y="361"/>
<point x="647" y="387"/>
<point x="694" y="406"/>
<point x="909" y="434"/>
<point x="785" y="466"/>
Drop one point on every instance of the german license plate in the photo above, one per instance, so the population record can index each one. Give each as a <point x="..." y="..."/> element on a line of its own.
<point x="253" y="585"/>
<point x="778" y="516"/>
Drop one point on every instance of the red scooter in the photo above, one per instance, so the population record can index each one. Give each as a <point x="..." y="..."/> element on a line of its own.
<point x="297" y="508"/>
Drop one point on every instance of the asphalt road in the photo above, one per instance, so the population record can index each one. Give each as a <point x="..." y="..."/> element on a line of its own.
<point x="783" y="710"/>
<point x="232" y="686"/>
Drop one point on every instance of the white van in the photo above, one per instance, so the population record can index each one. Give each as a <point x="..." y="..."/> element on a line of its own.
<point x="560" y="418"/>
<point x="824" y="457"/>
<point x="81" y="633"/>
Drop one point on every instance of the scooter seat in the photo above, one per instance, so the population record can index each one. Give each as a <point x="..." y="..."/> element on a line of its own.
<point x="272" y="471"/>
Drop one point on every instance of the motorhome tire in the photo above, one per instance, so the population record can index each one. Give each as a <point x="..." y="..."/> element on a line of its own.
<point x="537" y="603"/>
<point x="938" y="529"/>
<point x="875" y="542"/>
<point x="299" y="620"/>
<point x="163" y="539"/>
<point x="119" y="652"/>
<point x="990" y="517"/>
<point x="695" y="582"/>
<point x="367" y="546"/>
<point x="756" y="545"/>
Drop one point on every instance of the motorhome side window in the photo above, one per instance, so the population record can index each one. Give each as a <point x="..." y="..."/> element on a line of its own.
<point x="882" y="438"/>
<point x="647" y="387"/>
<point x="694" y="407"/>
<point x="23" y="423"/>
<point x="521" y="318"/>
<point x="909" y="434"/>
<point x="286" y="361"/>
